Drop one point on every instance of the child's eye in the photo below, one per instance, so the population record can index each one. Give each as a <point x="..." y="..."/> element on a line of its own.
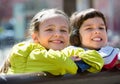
<point x="101" y="28"/>
<point x="89" y="28"/>
<point x="63" y="30"/>
<point x="48" y="29"/>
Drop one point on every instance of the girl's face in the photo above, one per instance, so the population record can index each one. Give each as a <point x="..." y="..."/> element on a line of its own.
<point x="93" y="33"/>
<point x="54" y="32"/>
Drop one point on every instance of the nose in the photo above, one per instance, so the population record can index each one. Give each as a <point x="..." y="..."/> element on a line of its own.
<point x="58" y="33"/>
<point x="97" y="31"/>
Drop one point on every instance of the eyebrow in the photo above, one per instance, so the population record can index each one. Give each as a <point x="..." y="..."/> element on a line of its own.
<point x="52" y="25"/>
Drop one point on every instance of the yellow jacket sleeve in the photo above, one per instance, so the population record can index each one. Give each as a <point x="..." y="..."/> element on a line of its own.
<point x="30" y="57"/>
<point x="91" y="57"/>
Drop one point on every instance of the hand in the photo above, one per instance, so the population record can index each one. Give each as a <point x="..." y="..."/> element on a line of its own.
<point x="75" y="58"/>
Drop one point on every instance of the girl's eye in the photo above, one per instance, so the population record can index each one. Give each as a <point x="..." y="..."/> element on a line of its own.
<point x="48" y="29"/>
<point x="63" y="30"/>
<point x="89" y="28"/>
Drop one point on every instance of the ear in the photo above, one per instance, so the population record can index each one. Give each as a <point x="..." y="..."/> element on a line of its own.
<point x="35" y="37"/>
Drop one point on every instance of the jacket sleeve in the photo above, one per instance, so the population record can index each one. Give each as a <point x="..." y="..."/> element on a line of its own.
<point x="27" y="58"/>
<point x="54" y="62"/>
<point x="90" y="57"/>
<point x="32" y="58"/>
<point x="18" y="56"/>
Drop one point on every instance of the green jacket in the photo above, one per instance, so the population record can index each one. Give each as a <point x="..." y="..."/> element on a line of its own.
<point x="30" y="57"/>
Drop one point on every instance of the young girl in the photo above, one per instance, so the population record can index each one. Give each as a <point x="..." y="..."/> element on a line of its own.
<point x="50" y="33"/>
<point x="90" y="32"/>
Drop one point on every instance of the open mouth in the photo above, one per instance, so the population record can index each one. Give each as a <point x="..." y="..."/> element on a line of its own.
<point x="97" y="39"/>
<point x="57" y="41"/>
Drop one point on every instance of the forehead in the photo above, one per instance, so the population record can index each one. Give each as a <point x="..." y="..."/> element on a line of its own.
<point x="54" y="20"/>
<point x="96" y="20"/>
<point x="52" y="16"/>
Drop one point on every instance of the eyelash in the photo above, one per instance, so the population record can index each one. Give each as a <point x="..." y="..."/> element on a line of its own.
<point x="52" y="30"/>
<point x="101" y="28"/>
<point x="48" y="29"/>
<point x="88" y="28"/>
<point x="63" y="30"/>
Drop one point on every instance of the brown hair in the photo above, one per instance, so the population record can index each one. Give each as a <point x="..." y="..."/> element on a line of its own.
<point x="77" y="20"/>
<point x="38" y="18"/>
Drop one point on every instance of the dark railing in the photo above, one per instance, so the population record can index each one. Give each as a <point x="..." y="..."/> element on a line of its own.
<point x="109" y="77"/>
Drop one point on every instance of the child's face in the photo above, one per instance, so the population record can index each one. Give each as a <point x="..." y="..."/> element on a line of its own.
<point x="93" y="33"/>
<point x="54" y="32"/>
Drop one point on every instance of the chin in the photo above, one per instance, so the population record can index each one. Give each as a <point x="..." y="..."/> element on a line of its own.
<point x="57" y="48"/>
<point x="97" y="48"/>
<point x="94" y="48"/>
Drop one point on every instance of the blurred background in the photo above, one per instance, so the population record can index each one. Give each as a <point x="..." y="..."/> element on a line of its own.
<point x="15" y="16"/>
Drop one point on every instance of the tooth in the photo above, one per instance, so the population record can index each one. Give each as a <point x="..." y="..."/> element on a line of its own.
<point x="96" y="39"/>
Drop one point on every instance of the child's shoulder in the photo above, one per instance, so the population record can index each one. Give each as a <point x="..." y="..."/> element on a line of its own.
<point x="108" y="50"/>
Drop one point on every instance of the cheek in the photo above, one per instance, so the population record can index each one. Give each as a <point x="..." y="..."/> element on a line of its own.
<point x="42" y="37"/>
<point x="83" y="35"/>
<point x="84" y="38"/>
<point x="67" y="38"/>
<point x="105" y="36"/>
<point x="106" y="39"/>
